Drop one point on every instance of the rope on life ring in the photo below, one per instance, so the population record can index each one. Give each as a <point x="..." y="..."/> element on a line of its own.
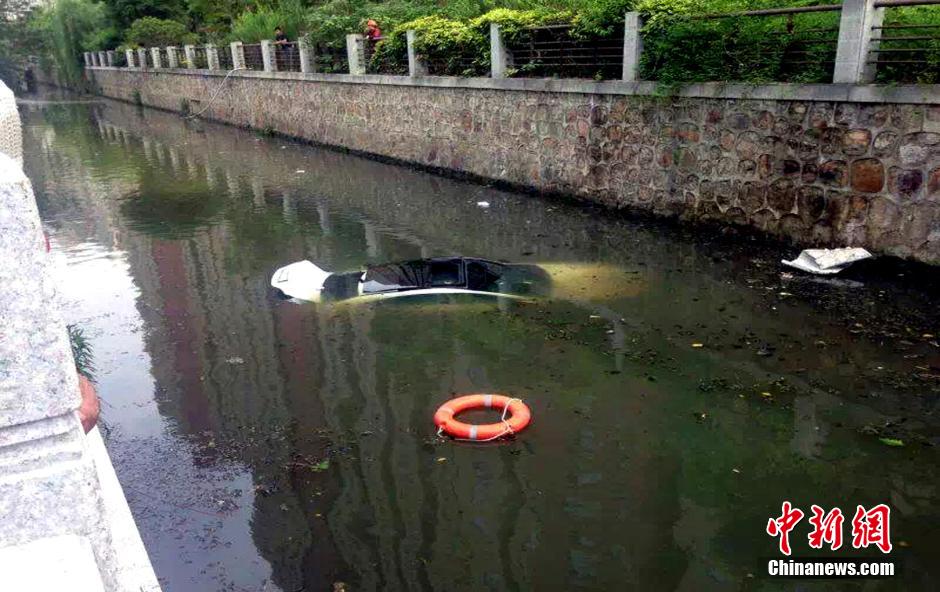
<point x="519" y="417"/>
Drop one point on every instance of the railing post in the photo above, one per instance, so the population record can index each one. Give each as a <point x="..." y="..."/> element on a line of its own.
<point x="129" y="54"/>
<point x="109" y="58"/>
<point x="238" y="55"/>
<point x="212" y="57"/>
<point x="416" y="66"/>
<point x="306" y="53"/>
<point x="94" y="58"/>
<point x="355" y="53"/>
<point x="155" y="57"/>
<point x="855" y="33"/>
<point x="190" y="52"/>
<point x="172" y="57"/>
<point x="141" y="58"/>
<point x="632" y="46"/>
<point x="102" y="59"/>
<point x="87" y="56"/>
<point x="500" y="57"/>
<point x="267" y="56"/>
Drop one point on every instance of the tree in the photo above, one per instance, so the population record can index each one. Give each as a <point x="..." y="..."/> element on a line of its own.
<point x="125" y="12"/>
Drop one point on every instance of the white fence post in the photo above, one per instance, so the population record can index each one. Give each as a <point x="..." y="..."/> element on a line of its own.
<point x="87" y="56"/>
<point x="632" y="46"/>
<point x="190" y="52"/>
<point x="355" y="53"/>
<point x="416" y="66"/>
<point x="267" y="56"/>
<point x="308" y="62"/>
<point x="141" y="58"/>
<point x="129" y="54"/>
<point x="238" y="55"/>
<point x="855" y="33"/>
<point x="172" y="57"/>
<point x="212" y="57"/>
<point x="500" y="57"/>
<point x="155" y="57"/>
<point x="109" y="58"/>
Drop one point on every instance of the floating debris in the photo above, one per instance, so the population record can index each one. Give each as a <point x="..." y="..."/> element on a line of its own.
<point x="827" y="261"/>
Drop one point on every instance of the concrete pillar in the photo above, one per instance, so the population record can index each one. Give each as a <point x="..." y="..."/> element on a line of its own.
<point x="500" y="57"/>
<point x="356" y="53"/>
<point x="129" y="54"/>
<point x="190" y="52"/>
<point x="172" y="57"/>
<point x="632" y="46"/>
<point x="66" y="524"/>
<point x="238" y="55"/>
<point x="267" y="56"/>
<point x="858" y="17"/>
<point x="141" y="58"/>
<point x="308" y="62"/>
<point x="416" y="66"/>
<point x="109" y="58"/>
<point x="156" y="57"/>
<point x="102" y="58"/>
<point x="87" y="56"/>
<point x="212" y="57"/>
<point x="94" y="58"/>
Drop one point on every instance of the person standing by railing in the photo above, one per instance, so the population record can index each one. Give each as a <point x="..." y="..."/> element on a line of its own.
<point x="373" y="32"/>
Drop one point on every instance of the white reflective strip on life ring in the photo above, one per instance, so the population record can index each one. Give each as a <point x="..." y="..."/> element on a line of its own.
<point x="488" y="400"/>
<point x="473" y="432"/>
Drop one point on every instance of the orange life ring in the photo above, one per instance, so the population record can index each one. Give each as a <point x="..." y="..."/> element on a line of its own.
<point x="519" y="417"/>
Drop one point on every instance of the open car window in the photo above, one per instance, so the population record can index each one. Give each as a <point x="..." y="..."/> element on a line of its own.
<point x="483" y="275"/>
<point x="413" y="275"/>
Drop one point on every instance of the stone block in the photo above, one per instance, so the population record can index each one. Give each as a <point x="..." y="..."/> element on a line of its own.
<point x="867" y="175"/>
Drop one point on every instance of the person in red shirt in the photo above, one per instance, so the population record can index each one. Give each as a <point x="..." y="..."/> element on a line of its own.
<point x="373" y="32"/>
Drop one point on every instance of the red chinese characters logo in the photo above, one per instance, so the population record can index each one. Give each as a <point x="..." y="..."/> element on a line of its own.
<point x="781" y="527"/>
<point x="827" y="528"/>
<point x="869" y="527"/>
<point x="872" y="527"/>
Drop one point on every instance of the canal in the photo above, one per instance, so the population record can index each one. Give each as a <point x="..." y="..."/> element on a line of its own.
<point x="682" y="383"/>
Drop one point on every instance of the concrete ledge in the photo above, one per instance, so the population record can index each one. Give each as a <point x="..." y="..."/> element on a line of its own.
<point x="928" y="94"/>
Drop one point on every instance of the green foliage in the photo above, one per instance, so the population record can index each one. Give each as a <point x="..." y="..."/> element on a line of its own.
<point x="125" y="12"/>
<point x="154" y="32"/>
<point x="67" y="29"/>
<point x="252" y="27"/>
<point x="928" y="73"/>
<point x="82" y="352"/>
<point x="461" y="47"/>
<point x="680" y="49"/>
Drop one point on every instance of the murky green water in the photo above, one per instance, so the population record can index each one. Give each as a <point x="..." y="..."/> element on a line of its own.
<point x="651" y="463"/>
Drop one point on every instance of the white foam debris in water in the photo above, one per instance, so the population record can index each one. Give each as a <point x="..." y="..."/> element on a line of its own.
<point x="483" y="204"/>
<point x="300" y="171"/>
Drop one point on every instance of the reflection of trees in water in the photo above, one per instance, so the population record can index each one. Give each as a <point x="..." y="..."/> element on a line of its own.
<point x="587" y="498"/>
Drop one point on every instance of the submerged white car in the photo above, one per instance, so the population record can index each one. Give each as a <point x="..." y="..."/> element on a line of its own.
<point x="448" y="275"/>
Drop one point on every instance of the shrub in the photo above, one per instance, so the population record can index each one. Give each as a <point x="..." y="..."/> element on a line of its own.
<point x="252" y="27"/>
<point x="153" y="32"/>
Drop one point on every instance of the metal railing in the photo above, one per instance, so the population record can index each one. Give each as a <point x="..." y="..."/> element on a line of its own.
<point x="554" y="51"/>
<point x="254" y="59"/>
<point x="903" y="51"/>
<point x="225" y="58"/>
<point x="287" y="57"/>
<point x="859" y="41"/>
<point x="200" y="58"/>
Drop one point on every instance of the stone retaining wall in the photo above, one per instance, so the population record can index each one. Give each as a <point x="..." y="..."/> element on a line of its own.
<point x="824" y="166"/>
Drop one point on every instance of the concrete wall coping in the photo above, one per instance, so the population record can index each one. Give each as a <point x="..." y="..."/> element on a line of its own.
<point x="853" y="93"/>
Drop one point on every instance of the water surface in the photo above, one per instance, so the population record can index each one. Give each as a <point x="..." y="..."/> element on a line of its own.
<point x="682" y="387"/>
